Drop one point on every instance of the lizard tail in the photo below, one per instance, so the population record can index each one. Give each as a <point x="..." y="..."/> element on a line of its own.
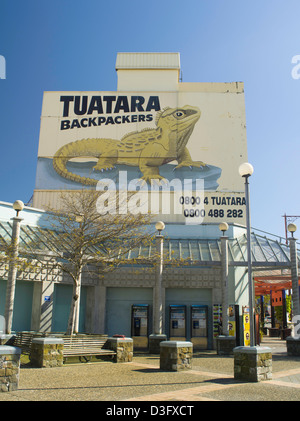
<point x="73" y="150"/>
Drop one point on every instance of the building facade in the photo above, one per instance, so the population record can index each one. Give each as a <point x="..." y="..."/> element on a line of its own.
<point x="188" y="137"/>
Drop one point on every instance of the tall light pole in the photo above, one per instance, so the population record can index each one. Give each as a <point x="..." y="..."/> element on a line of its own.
<point x="157" y="336"/>
<point x="246" y="170"/>
<point x="224" y="260"/>
<point x="12" y="272"/>
<point x="158" y="311"/>
<point x="294" y="269"/>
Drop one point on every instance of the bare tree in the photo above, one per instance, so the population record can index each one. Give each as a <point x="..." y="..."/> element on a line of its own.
<point x="81" y="238"/>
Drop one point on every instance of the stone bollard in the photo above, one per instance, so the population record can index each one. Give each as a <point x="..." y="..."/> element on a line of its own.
<point x="47" y="352"/>
<point x="9" y="368"/>
<point x="225" y="345"/>
<point x="176" y="355"/>
<point x="123" y="348"/>
<point x="293" y="345"/>
<point x="252" y="363"/>
<point x="6" y="339"/>
<point x="154" y="343"/>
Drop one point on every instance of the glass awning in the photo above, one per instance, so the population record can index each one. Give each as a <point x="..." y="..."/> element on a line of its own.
<point x="265" y="251"/>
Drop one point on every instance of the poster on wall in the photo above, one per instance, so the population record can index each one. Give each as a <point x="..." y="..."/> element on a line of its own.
<point x="217" y="319"/>
<point x="231" y="321"/>
<point x="187" y="145"/>
<point x="246" y="326"/>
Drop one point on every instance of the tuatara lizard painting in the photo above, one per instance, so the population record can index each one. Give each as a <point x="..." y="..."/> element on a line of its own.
<point x="147" y="149"/>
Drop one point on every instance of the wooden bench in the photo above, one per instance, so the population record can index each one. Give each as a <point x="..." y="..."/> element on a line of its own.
<point x="85" y="346"/>
<point x="22" y="340"/>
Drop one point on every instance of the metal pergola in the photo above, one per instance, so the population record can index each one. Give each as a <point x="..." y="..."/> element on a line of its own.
<point x="270" y="258"/>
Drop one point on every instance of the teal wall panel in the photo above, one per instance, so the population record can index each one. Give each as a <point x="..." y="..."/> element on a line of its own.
<point x="22" y="304"/>
<point x="118" y="308"/>
<point x="62" y="305"/>
<point x="189" y="297"/>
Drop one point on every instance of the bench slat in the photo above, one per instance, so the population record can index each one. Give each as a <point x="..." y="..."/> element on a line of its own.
<point x="88" y="352"/>
<point x="85" y="346"/>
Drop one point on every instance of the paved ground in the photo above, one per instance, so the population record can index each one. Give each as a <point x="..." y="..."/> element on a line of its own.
<point x="211" y="379"/>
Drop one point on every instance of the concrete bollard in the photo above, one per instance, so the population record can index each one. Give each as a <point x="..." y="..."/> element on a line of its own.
<point x="252" y="363"/>
<point x="9" y="368"/>
<point x="176" y="355"/>
<point x="47" y="352"/>
<point x="154" y="343"/>
<point x="123" y="348"/>
<point x="225" y="345"/>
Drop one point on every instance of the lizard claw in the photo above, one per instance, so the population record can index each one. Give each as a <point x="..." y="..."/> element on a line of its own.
<point x="142" y="182"/>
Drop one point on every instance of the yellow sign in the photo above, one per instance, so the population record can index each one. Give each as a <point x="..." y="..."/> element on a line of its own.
<point x="246" y="324"/>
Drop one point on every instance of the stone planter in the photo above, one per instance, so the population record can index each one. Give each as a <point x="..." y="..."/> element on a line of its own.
<point x="9" y="368"/>
<point x="252" y="363"/>
<point x="176" y="355"/>
<point x="47" y="352"/>
<point x="225" y="345"/>
<point x="123" y="348"/>
<point x="154" y="343"/>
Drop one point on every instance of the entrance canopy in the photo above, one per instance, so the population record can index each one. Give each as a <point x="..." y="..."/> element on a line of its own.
<point x="270" y="258"/>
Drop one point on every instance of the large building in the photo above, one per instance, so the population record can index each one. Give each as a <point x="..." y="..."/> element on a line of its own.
<point x="191" y="139"/>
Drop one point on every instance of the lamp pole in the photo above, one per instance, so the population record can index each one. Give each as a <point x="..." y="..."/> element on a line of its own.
<point x="246" y="170"/>
<point x="294" y="270"/>
<point x="158" y="311"/>
<point x="224" y="260"/>
<point x="157" y="336"/>
<point x="12" y="271"/>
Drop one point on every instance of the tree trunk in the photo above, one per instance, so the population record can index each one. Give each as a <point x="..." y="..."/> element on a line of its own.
<point x="73" y="322"/>
<point x="78" y="294"/>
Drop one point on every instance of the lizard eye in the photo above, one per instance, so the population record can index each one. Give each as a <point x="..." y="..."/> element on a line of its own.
<point x="179" y="114"/>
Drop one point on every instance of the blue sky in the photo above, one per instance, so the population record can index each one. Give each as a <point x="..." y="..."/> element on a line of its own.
<point x="72" y="45"/>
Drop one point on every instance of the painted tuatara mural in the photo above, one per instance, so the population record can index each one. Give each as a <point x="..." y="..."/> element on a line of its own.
<point x="147" y="149"/>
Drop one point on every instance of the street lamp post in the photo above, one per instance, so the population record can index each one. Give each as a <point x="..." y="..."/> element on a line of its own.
<point x="158" y="313"/>
<point x="12" y="272"/>
<point x="248" y="360"/>
<point x="294" y="270"/>
<point x="246" y="170"/>
<point x="158" y="336"/>
<point x="224" y="260"/>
